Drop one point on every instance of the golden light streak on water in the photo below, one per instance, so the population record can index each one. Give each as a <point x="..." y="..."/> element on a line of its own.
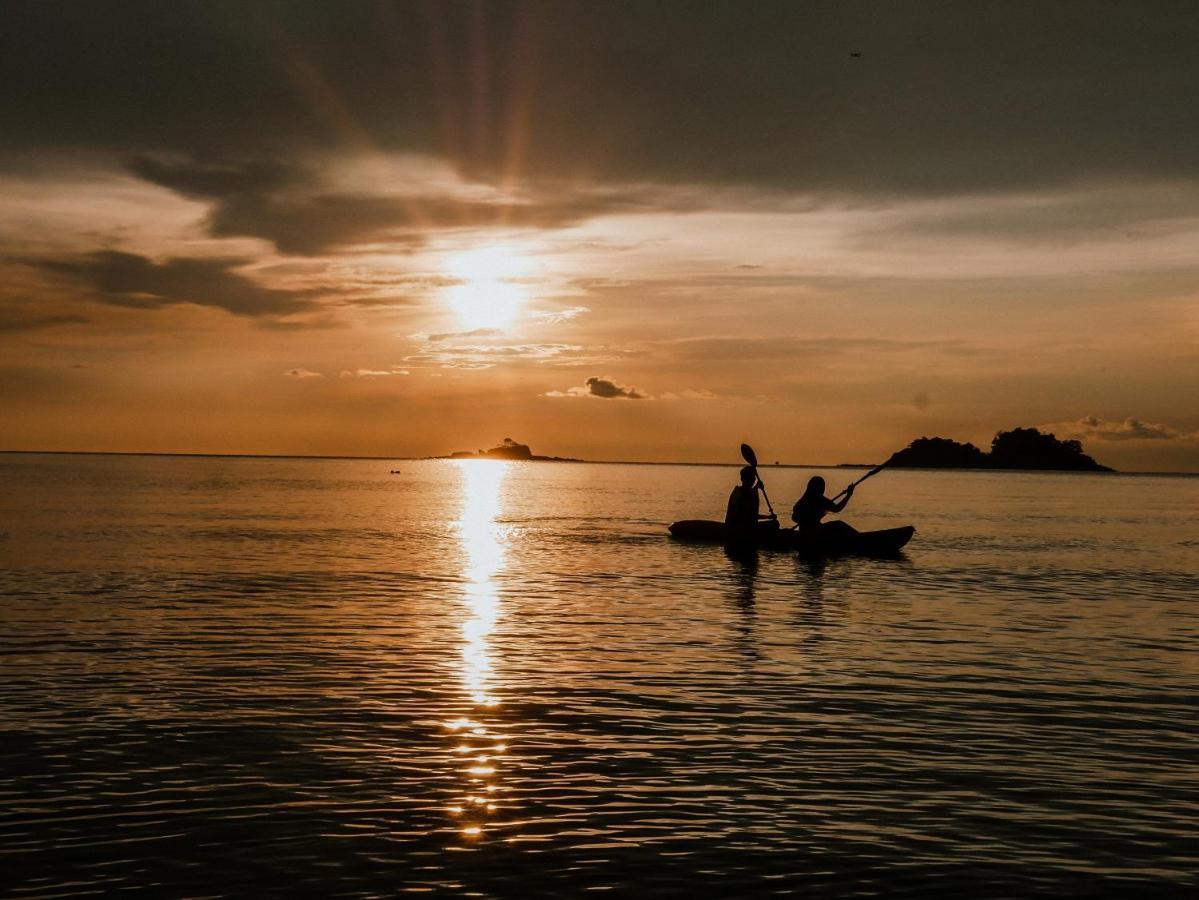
<point x="484" y="551"/>
<point x="482" y="542"/>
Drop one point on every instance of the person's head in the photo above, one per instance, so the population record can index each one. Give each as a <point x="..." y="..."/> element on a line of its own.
<point x="815" y="487"/>
<point x="748" y="475"/>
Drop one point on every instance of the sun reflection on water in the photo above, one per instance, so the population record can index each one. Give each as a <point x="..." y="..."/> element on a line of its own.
<point x="479" y="743"/>
<point x="481" y="483"/>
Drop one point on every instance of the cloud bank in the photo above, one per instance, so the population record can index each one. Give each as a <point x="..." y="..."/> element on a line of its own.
<point x="1130" y="429"/>
<point x="1105" y="90"/>
<point x="129" y="279"/>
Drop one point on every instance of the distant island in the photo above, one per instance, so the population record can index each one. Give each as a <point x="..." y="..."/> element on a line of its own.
<point x="509" y="449"/>
<point x="1020" y="448"/>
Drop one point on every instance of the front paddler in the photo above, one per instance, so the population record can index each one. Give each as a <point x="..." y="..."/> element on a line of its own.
<point x="743" y="521"/>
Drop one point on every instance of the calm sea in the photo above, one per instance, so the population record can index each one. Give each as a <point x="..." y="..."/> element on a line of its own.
<point x="230" y="676"/>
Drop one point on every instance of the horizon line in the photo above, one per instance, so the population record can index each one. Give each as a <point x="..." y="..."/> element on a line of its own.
<point x="566" y="461"/>
<point x="237" y="455"/>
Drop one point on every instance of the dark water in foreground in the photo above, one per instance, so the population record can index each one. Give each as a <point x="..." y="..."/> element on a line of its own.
<point x="247" y="676"/>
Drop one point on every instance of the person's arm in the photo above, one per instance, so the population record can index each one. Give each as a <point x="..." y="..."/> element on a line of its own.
<point x="837" y="507"/>
<point x="761" y="515"/>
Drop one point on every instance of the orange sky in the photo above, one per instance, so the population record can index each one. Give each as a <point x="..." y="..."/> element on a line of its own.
<point x="523" y="245"/>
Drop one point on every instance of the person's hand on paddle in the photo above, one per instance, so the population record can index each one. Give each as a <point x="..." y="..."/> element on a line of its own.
<point x="747" y="453"/>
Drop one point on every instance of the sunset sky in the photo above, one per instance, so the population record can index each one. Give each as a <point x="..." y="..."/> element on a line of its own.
<point x="640" y="231"/>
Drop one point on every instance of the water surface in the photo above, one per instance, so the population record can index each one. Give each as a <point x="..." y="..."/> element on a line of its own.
<point x="230" y="675"/>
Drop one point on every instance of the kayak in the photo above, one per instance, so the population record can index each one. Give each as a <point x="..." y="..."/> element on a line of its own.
<point x="886" y="542"/>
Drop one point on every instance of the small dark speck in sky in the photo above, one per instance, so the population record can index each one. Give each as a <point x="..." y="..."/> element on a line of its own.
<point x="855" y="54"/>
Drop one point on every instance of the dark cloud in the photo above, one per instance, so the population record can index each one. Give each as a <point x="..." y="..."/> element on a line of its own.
<point x="1130" y="429"/>
<point x="610" y="390"/>
<point x="1121" y="212"/>
<point x="604" y="388"/>
<point x="127" y="279"/>
<point x="311" y="225"/>
<point x="288" y="206"/>
<point x="943" y="98"/>
<point x="205" y="180"/>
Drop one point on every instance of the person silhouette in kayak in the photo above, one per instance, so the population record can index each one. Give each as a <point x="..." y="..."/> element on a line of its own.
<point x="742" y="518"/>
<point x="813" y="506"/>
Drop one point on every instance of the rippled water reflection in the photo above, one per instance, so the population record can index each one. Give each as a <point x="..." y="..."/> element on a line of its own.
<point x="481" y="740"/>
<point x="230" y="676"/>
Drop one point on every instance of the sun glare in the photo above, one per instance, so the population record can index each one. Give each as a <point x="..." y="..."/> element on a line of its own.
<point x="489" y="293"/>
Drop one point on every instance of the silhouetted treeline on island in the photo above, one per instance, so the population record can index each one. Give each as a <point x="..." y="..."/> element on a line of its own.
<point x="1020" y="448"/>
<point x="509" y="449"/>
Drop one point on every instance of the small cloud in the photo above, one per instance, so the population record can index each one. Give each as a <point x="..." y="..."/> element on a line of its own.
<point x="607" y="389"/>
<point x="604" y="388"/>
<point x="1130" y="429"/>
<point x="453" y="355"/>
<point x="747" y="266"/>
<point x="454" y="335"/>
<point x="362" y="373"/>
<point x="596" y="284"/>
<point x="921" y="401"/>
<point x="562" y="315"/>
<point x="302" y="373"/>
<point x="701" y="394"/>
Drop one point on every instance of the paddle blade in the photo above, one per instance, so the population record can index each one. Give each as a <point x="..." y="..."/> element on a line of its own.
<point x="747" y="453"/>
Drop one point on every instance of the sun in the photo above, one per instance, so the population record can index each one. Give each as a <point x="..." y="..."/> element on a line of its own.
<point x="489" y="293"/>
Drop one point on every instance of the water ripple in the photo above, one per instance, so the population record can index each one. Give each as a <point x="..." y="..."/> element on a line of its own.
<point x="222" y="678"/>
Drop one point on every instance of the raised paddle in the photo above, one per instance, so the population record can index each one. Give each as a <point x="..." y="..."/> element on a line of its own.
<point x="747" y="453"/>
<point x="872" y="472"/>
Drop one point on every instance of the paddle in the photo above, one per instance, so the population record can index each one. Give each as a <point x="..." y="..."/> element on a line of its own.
<point x="747" y="453"/>
<point x="869" y="474"/>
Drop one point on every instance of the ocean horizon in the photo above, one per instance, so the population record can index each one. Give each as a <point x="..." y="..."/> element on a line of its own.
<point x="600" y="462"/>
